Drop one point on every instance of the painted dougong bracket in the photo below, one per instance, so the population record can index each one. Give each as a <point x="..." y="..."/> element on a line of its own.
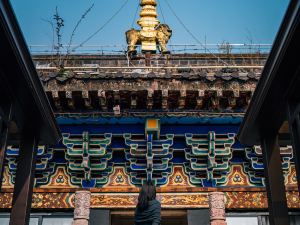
<point x="149" y="156"/>
<point x="208" y="158"/>
<point x="44" y="167"/>
<point x="88" y="158"/>
<point x="254" y="166"/>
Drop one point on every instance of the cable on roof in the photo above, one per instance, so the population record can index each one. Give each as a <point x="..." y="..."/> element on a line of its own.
<point x="135" y="14"/>
<point x="161" y="11"/>
<point x="164" y="20"/>
<point x="103" y="26"/>
<point x="76" y="27"/>
<point x="192" y="35"/>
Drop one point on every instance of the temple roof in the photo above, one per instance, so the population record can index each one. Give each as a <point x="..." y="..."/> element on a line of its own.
<point x="171" y="82"/>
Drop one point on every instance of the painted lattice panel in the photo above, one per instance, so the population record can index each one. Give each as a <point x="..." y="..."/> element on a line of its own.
<point x="208" y="158"/>
<point x="88" y="158"/>
<point x="254" y="166"/>
<point x="148" y="159"/>
<point x="44" y="167"/>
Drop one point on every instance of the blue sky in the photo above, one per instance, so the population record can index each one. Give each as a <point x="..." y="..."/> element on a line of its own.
<point x="235" y="21"/>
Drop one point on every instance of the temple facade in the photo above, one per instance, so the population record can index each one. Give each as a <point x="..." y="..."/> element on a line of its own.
<point x="174" y="122"/>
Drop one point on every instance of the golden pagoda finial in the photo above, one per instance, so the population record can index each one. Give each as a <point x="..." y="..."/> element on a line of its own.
<point x="151" y="33"/>
<point x="148" y="22"/>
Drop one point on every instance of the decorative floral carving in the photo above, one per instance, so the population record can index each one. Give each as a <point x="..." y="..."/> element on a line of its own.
<point x="118" y="179"/>
<point x="217" y="208"/>
<point x="291" y="178"/>
<point x="82" y="205"/>
<point x="6" y="182"/>
<point x="60" y="179"/>
<point x="178" y="178"/>
<point x="237" y="177"/>
<point x="235" y="200"/>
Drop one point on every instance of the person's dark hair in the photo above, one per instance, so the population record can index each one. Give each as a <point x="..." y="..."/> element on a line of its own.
<point x="147" y="193"/>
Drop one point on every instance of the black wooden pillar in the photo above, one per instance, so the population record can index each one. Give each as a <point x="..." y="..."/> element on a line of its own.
<point x="3" y="141"/>
<point x="22" y="197"/>
<point x="4" y="131"/>
<point x="294" y="125"/>
<point x="277" y="202"/>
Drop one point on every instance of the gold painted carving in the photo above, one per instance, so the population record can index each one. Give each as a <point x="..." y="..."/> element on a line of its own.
<point x="151" y="33"/>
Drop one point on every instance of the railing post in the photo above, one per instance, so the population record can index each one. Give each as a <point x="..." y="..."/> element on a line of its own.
<point x="217" y="208"/>
<point x="82" y="208"/>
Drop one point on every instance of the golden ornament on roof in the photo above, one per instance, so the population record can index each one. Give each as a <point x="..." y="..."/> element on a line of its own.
<point x="152" y="33"/>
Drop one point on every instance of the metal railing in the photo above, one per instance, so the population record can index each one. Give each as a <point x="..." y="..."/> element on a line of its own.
<point x="223" y="48"/>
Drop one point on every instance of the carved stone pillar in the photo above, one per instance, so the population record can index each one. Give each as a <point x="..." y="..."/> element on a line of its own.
<point x="82" y="208"/>
<point x="217" y="208"/>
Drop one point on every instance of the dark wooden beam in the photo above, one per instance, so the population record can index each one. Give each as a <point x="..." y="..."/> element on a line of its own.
<point x="277" y="202"/>
<point x="3" y="142"/>
<point x="22" y="197"/>
<point x="294" y="125"/>
<point x="4" y="131"/>
<point x="2" y="154"/>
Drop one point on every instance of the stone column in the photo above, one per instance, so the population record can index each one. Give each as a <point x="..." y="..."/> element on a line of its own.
<point x="217" y="208"/>
<point x="82" y="208"/>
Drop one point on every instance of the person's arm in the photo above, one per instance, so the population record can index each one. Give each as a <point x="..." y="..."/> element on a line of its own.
<point x="157" y="218"/>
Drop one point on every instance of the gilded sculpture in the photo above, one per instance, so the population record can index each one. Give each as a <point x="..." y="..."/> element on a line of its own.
<point x="152" y="33"/>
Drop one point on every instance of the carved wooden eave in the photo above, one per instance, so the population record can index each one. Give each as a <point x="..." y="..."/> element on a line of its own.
<point x="176" y="83"/>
